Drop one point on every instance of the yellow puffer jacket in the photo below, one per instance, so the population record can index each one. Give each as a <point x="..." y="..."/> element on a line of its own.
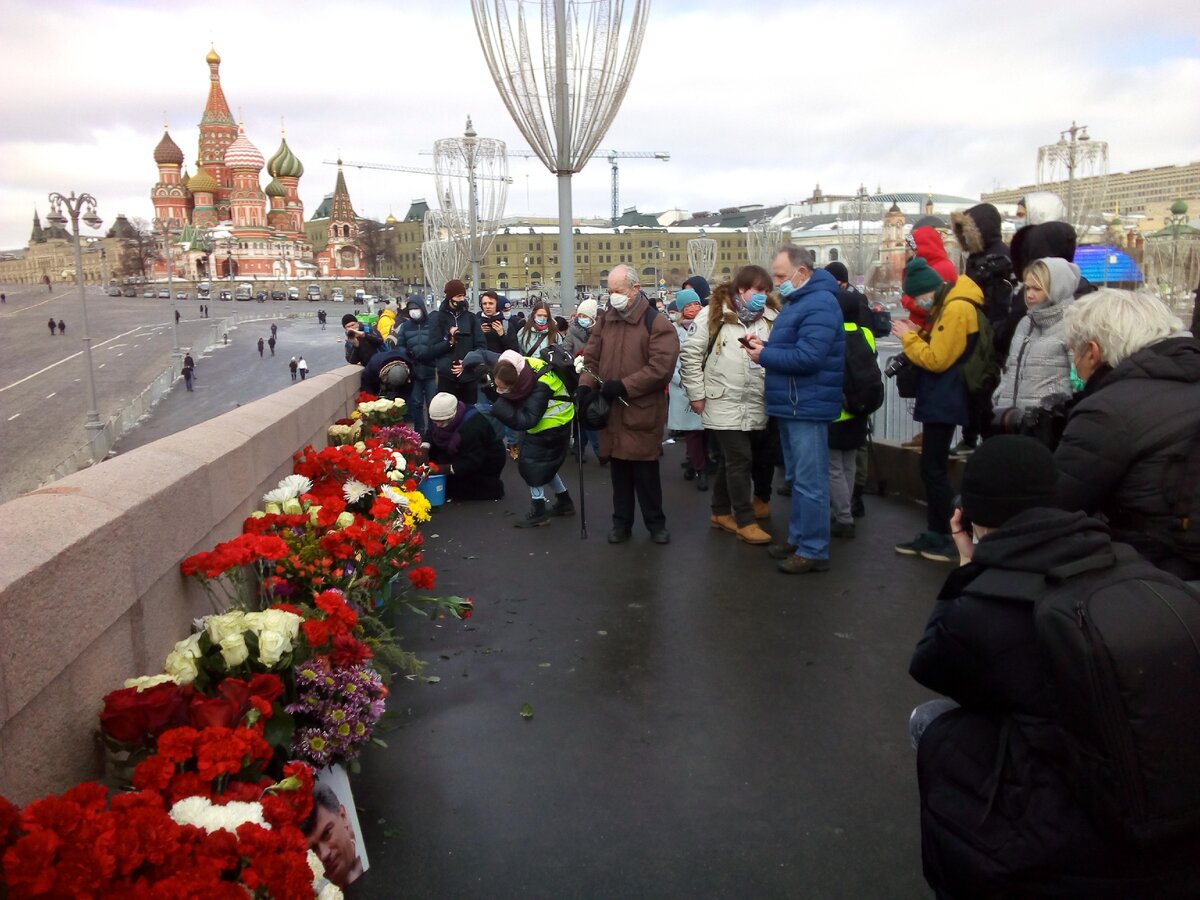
<point x="387" y="320"/>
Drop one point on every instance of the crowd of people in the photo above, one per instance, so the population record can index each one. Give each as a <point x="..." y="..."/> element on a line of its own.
<point x="1063" y="758"/>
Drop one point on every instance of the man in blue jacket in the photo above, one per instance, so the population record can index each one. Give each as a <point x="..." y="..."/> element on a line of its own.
<point x="804" y="361"/>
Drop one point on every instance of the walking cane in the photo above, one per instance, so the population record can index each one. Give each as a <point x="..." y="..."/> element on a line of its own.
<point x="579" y="463"/>
<point x="873" y="462"/>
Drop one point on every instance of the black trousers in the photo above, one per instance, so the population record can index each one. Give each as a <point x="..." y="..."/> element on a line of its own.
<point x="640" y="478"/>
<point x="935" y="473"/>
<point x="466" y="391"/>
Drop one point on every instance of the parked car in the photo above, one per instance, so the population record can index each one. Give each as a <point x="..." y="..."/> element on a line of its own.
<point x="278" y="295"/>
<point x="226" y="295"/>
<point x="337" y="295"/>
<point x="148" y="293"/>
<point x="164" y="295"/>
<point x="115" y="291"/>
<point x="182" y="295"/>
<point x="261" y="296"/>
<point x="293" y="293"/>
<point x="129" y="292"/>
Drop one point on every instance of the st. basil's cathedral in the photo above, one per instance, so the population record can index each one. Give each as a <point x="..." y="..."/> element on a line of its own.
<point x="227" y="225"/>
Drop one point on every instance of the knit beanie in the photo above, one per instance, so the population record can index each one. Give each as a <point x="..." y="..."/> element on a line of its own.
<point x="455" y="288"/>
<point x="839" y="271"/>
<point x="587" y="309"/>
<point x="684" y="297"/>
<point x="442" y="407"/>
<point x="919" y="278"/>
<point x="1006" y="475"/>
<point x="348" y="318"/>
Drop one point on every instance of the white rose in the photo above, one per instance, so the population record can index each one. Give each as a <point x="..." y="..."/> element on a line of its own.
<point x="147" y="681"/>
<point x="286" y="623"/>
<point x="220" y="627"/>
<point x="292" y="507"/>
<point x="234" y="650"/>
<point x="313" y="512"/>
<point x="271" y="647"/>
<point x="181" y="667"/>
<point x="360" y="446"/>
<point x="345" y="520"/>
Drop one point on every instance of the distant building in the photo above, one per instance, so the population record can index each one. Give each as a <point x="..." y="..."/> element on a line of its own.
<point x="1135" y="193"/>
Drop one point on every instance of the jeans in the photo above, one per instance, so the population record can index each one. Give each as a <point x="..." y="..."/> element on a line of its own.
<point x="539" y="493"/>
<point x="732" y="484"/>
<point x="842" y="465"/>
<point x="693" y="442"/>
<point x="187" y="378"/>
<point x="640" y="478"/>
<point x="423" y="390"/>
<point x="939" y="495"/>
<point x="806" y="458"/>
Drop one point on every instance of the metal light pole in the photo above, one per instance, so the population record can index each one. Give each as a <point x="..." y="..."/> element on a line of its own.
<point x="73" y="204"/>
<point x="167" y="228"/>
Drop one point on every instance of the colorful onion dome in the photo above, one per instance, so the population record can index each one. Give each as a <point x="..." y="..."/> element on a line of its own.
<point x="202" y="182"/>
<point x="285" y="163"/>
<point x="242" y="154"/>
<point x="275" y="189"/>
<point x="167" y="152"/>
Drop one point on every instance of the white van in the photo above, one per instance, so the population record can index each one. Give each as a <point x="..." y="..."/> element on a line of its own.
<point x="244" y="292"/>
<point x="337" y="294"/>
<point x="203" y="290"/>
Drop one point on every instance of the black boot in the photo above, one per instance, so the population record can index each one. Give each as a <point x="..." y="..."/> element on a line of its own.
<point x="702" y="480"/>
<point x="857" y="509"/>
<point x="563" y="505"/>
<point x="536" y="516"/>
<point x="688" y="472"/>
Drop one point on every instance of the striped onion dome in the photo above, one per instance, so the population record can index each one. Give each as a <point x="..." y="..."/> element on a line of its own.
<point x="242" y="154"/>
<point x="275" y="189"/>
<point x="285" y="163"/>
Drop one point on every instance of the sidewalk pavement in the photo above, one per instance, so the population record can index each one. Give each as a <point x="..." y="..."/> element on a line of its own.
<point x="703" y="726"/>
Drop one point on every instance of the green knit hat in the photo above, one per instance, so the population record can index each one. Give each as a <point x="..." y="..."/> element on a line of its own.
<point x="919" y="278"/>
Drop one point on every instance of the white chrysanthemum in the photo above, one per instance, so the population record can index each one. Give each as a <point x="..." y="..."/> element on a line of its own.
<point x="288" y="489"/>
<point x="200" y="812"/>
<point x="354" y="490"/>
<point x="395" y="496"/>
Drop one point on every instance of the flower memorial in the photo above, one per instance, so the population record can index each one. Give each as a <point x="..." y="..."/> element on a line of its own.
<point x="216" y="753"/>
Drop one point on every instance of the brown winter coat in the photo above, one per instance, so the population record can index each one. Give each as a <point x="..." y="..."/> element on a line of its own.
<point x="620" y="348"/>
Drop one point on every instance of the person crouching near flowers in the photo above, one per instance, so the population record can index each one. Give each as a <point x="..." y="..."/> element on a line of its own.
<point x="467" y="450"/>
<point x="531" y="398"/>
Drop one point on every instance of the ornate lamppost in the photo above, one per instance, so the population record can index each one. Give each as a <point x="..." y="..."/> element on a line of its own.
<point x="167" y="228"/>
<point x="73" y="206"/>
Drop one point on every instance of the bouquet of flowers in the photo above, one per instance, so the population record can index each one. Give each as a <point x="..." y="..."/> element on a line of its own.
<point x="344" y="431"/>
<point x="379" y="412"/>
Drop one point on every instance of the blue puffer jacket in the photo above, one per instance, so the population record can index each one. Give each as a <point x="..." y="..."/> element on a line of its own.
<point x="417" y="338"/>
<point x="806" y="354"/>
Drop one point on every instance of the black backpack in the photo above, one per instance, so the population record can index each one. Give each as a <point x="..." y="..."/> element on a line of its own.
<point x="862" y="382"/>
<point x="1121" y="639"/>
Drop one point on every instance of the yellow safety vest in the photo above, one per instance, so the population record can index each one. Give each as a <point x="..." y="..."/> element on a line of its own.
<point x="560" y="410"/>
<point x="870" y="336"/>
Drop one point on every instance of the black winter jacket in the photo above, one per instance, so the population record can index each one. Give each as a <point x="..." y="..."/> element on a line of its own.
<point x="1115" y="454"/>
<point x="417" y="338"/>
<point x="998" y="819"/>
<point x="469" y="337"/>
<point x="497" y="343"/>
<point x="988" y="264"/>
<point x="543" y="452"/>
<point x="480" y="451"/>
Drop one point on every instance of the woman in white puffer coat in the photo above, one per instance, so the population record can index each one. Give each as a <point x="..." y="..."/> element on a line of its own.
<point x="1039" y="362"/>
<point x="726" y="388"/>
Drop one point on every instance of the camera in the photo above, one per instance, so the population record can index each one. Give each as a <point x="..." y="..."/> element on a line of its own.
<point x="896" y="364"/>
<point x="1044" y="422"/>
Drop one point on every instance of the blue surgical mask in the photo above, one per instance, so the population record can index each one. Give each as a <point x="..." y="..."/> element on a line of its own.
<point x="583" y="322"/>
<point x="756" y="302"/>
<point x="540" y="320"/>
<point x="926" y="302"/>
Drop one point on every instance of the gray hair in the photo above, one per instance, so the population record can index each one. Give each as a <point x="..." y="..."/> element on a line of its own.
<point x="628" y="273"/>
<point x="797" y="256"/>
<point x="1120" y="322"/>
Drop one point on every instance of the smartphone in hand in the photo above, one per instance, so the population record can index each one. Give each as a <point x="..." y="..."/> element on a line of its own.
<point x="745" y="342"/>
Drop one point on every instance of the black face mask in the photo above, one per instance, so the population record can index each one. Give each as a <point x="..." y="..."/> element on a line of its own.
<point x="458" y="305"/>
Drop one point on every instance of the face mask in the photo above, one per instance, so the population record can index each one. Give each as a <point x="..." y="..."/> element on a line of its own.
<point x="539" y="320"/>
<point x="756" y="302"/>
<point x="457" y="304"/>
<point x="926" y="303"/>
<point x="415" y="315"/>
<point x="583" y="322"/>
<point x="785" y="290"/>
<point x="617" y="301"/>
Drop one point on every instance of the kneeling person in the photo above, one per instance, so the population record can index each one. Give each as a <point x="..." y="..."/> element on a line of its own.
<point x="531" y="398"/>
<point x="465" y="447"/>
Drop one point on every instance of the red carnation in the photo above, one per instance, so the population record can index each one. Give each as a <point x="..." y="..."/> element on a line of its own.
<point x="348" y="651"/>
<point x="422" y="578"/>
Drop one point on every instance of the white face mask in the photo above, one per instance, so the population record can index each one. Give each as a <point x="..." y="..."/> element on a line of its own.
<point x="415" y="314"/>
<point x="618" y="301"/>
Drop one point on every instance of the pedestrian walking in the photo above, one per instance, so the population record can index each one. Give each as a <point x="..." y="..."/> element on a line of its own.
<point x="62" y="327"/>
<point x="53" y="325"/>
<point x="177" y="317"/>
<point x="292" y="366"/>
<point x="260" y="347"/>
<point x="189" y="370"/>
<point x="321" y="318"/>
<point x="3" y="298"/>
<point x="271" y="342"/>
<point x="302" y="366"/>
<point x="274" y="329"/>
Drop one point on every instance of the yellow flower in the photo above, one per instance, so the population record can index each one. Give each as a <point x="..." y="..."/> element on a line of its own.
<point x="418" y="505"/>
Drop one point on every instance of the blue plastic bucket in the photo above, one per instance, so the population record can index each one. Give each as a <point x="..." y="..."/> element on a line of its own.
<point x="434" y="489"/>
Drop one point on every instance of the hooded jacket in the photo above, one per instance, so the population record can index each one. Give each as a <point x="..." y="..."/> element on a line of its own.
<point x="1116" y="452"/>
<point x="930" y="248"/>
<point x="576" y="338"/>
<point x="988" y="263"/>
<point x="730" y="384"/>
<point x="416" y="336"/>
<point x="1039" y="361"/>
<point x="469" y="337"/>
<point x="621" y="349"/>
<point x="542" y="452"/>
<point x="941" y="393"/>
<point x="805" y="357"/>
<point x="998" y="817"/>
<point x="699" y="284"/>
<point x="386" y="322"/>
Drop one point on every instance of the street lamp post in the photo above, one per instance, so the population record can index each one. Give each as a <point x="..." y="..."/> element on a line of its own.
<point x="73" y="204"/>
<point x="167" y="228"/>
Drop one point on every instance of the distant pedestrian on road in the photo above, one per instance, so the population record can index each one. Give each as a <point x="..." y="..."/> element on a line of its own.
<point x="49" y="287"/>
<point x="3" y="298"/>
<point x="303" y="367"/>
<point x="260" y="347"/>
<point x="53" y="325"/>
<point x="62" y="327"/>
<point x="176" y="317"/>
<point x="273" y="329"/>
<point x="189" y="369"/>
<point x="293" y="365"/>
<point x="321" y="318"/>
<point x="271" y="342"/>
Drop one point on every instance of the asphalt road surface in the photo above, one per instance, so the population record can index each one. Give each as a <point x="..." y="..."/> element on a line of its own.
<point x="43" y="387"/>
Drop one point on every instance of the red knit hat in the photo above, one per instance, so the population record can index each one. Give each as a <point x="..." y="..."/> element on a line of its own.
<point x="455" y="288"/>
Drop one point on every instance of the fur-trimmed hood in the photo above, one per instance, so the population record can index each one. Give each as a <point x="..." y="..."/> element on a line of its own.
<point x="978" y="228"/>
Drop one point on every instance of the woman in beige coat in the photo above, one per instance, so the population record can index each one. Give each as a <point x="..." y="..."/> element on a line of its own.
<point x="726" y="388"/>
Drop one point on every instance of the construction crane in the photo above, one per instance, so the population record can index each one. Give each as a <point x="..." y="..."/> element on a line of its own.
<point x="612" y="156"/>
<point x="415" y="170"/>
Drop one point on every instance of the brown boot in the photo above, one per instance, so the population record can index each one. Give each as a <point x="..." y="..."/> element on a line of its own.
<point x="915" y="443"/>
<point x="761" y="509"/>
<point x="752" y="534"/>
<point x="725" y="523"/>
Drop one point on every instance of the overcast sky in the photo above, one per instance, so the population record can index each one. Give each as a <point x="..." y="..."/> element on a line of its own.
<point x="755" y="101"/>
